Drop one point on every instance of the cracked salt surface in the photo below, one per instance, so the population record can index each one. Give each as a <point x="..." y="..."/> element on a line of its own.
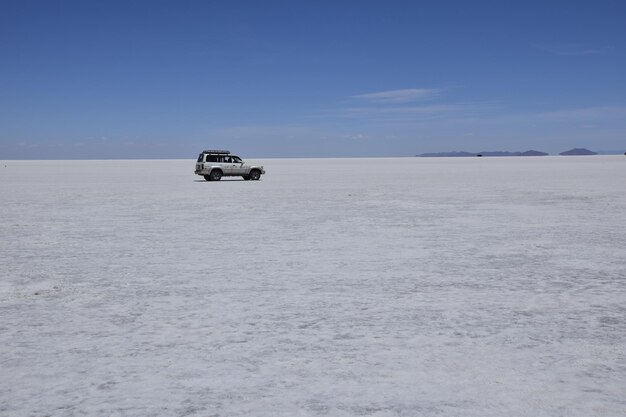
<point x="338" y="287"/>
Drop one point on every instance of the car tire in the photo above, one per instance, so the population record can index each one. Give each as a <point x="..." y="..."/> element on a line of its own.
<point x="215" y="175"/>
<point x="207" y="177"/>
<point x="255" y="174"/>
<point x="246" y="177"/>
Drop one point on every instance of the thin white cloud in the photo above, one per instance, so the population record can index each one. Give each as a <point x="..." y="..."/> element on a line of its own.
<point x="403" y="106"/>
<point x="398" y="96"/>
<point x="584" y="114"/>
<point x="414" y="113"/>
<point x="356" y="136"/>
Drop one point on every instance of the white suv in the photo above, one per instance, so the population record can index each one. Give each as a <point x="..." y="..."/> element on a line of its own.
<point x="214" y="164"/>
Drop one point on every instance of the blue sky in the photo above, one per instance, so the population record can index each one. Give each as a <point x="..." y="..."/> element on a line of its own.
<point x="166" y="79"/>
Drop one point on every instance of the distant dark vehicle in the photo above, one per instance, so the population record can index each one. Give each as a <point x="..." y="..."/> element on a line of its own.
<point x="215" y="164"/>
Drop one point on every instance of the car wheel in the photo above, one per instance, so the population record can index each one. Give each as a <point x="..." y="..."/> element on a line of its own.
<point x="216" y="175"/>
<point x="207" y="177"/>
<point x="255" y="174"/>
<point x="246" y="177"/>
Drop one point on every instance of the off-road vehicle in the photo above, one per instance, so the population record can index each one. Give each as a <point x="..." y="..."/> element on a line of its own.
<point x="215" y="164"/>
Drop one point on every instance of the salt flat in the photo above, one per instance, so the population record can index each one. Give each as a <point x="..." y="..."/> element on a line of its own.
<point x="332" y="287"/>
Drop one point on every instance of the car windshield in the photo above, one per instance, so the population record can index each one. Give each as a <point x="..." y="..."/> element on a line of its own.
<point x="237" y="160"/>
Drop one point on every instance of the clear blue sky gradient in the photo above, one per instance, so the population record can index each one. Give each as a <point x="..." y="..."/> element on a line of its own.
<point x="166" y="79"/>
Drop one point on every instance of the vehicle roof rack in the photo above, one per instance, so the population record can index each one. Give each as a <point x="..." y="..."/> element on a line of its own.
<point x="217" y="151"/>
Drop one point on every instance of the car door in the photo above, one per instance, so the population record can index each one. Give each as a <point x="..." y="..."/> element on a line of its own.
<point x="228" y="167"/>
<point x="238" y="168"/>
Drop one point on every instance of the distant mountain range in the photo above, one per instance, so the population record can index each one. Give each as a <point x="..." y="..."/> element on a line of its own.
<point x="575" y="151"/>
<point x="578" y="151"/>
<point x="484" y="153"/>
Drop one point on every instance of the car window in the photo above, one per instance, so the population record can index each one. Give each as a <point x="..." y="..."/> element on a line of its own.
<point x="237" y="160"/>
